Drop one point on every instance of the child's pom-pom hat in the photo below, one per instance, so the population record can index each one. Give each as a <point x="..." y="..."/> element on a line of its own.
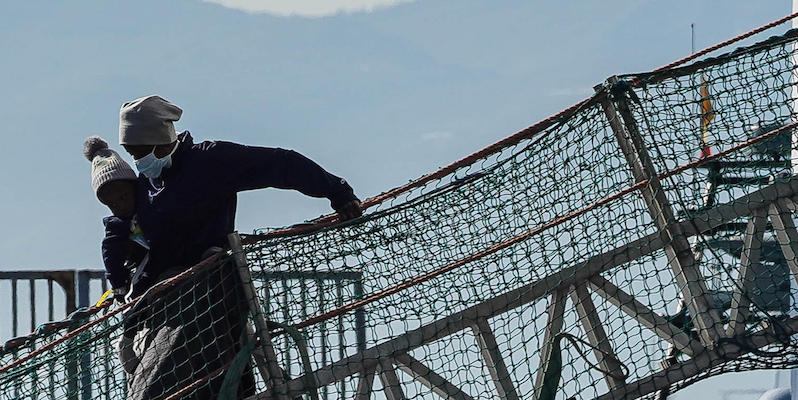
<point x="92" y="145"/>
<point x="106" y="164"/>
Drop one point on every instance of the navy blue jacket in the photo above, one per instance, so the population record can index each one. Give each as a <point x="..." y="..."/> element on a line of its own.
<point x="192" y="206"/>
<point x="115" y="250"/>
<point x="121" y="250"/>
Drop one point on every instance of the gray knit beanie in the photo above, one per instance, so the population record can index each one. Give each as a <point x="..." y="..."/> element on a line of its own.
<point x="106" y="164"/>
<point x="148" y="121"/>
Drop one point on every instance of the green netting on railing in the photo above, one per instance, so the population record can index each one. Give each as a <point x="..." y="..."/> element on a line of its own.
<point x="473" y="209"/>
<point x="200" y="320"/>
<point x="602" y="238"/>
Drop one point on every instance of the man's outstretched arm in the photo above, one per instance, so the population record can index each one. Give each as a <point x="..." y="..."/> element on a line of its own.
<point x="243" y="168"/>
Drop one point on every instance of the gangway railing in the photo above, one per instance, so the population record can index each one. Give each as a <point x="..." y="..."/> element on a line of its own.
<point x="76" y="286"/>
<point x="74" y="283"/>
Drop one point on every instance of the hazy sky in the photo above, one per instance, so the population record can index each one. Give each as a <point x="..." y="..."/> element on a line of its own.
<point x="307" y="8"/>
<point x="377" y="91"/>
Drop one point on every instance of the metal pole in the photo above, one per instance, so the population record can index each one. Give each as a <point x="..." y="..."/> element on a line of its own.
<point x="360" y="315"/>
<point x="275" y="373"/>
<point x="50" y="314"/>
<point x="14" y="314"/>
<point x="85" y="358"/>
<point x="32" y="285"/>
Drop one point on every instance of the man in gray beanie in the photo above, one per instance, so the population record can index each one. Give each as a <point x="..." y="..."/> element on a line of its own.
<point x="186" y="204"/>
<point x="187" y="191"/>
<point x="144" y="124"/>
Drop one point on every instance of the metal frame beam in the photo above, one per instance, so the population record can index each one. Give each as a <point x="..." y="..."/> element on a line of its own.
<point x="555" y="313"/>
<point x="680" y="256"/>
<point x="645" y="316"/>
<point x="429" y="378"/>
<point x="701" y="222"/>
<point x="365" y="385"/>
<point x="275" y="373"/>
<point x="390" y="382"/>
<point x="787" y="236"/>
<point x="752" y="250"/>
<point x="700" y="363"/>
<point x="492" y="357"/>
<point x="597" y="337"/>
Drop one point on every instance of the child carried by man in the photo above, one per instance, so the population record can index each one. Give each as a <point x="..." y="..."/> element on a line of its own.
<point x="124" y="248"/>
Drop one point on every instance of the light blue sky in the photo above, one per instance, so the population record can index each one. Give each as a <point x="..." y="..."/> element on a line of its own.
<point x="378" y="96"/>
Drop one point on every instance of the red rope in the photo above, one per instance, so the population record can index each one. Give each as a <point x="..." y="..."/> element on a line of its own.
<point x="515" y="138"/>
<point x="726" y="152"/>
<point x="493" y="249"/>
<point x="727" y="42"/>
<point x="331" y="219"/>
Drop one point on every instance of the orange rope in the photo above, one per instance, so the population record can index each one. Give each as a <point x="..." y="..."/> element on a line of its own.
<point x="493" y="249"/>
<point x="331" y="219"/>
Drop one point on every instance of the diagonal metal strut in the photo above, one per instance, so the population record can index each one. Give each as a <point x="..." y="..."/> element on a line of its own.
<point x="366" y="361"/>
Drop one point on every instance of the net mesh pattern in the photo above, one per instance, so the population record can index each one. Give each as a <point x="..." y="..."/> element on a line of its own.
<point x="601" y="256"/>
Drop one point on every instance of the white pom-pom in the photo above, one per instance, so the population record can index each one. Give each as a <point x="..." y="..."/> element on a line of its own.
<point x="92" y="145"/>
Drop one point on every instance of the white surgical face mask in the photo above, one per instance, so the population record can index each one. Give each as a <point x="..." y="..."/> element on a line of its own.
<point x="152" y="166"/>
